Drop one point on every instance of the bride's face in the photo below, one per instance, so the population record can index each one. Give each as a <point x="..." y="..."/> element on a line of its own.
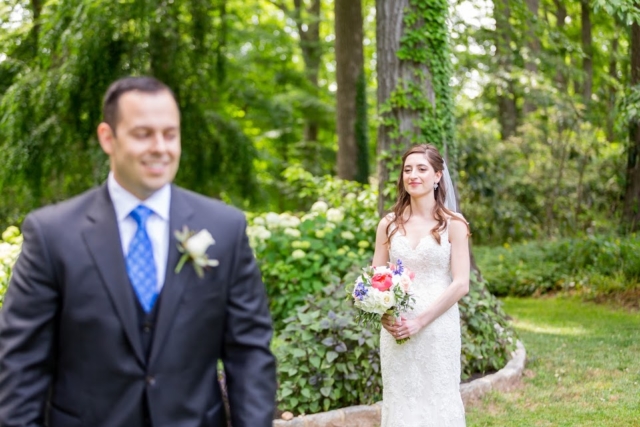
<point x="418" y="175"/>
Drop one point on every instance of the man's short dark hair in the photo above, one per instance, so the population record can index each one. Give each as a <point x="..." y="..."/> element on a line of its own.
<point x="124" y="85"/>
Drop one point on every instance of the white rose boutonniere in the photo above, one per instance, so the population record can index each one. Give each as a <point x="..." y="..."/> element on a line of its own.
<point x="193" y="246"/>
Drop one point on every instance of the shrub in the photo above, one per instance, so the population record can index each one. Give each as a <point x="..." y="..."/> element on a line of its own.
<point x="587" y="264"/>
<point x="299" y="254"/>
<point x="337" y="366"/>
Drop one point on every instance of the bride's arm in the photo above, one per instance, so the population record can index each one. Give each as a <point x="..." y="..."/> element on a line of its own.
<point x="459" y="287"/>
<point x="381" y="252"/>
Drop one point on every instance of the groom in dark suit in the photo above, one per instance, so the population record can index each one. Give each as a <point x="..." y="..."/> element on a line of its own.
<point x="98" y="329"/>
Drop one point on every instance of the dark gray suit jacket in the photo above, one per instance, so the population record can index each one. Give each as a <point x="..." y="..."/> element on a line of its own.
<point x="70" y="346"/>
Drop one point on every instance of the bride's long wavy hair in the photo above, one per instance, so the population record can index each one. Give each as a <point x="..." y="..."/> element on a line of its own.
<point x="403" y="202"/>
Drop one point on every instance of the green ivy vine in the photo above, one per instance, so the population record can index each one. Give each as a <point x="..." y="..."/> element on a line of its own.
<point x="425" y="41"/>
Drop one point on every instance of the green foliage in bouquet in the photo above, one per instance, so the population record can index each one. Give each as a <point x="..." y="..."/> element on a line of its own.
<point x="9" y="249"/>
<point x="338" y="365"/>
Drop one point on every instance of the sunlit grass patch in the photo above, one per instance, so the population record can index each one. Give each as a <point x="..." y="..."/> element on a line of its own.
<point x="583" y="368"/>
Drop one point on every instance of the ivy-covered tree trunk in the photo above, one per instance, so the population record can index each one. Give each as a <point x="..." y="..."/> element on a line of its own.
<point x="351" y="104"/>
<point x="414" y="69"/>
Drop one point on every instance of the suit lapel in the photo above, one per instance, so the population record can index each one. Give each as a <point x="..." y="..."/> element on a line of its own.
<point x="180" y="213"/>
<point x="102" y="238"/>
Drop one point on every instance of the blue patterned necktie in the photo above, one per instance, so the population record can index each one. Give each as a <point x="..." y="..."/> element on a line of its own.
<point x="140" y="264"/>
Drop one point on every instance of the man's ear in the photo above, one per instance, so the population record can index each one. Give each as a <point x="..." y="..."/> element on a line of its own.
<point x="106" y="137"/>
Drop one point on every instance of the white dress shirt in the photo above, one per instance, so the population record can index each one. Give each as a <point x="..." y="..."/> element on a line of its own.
<point x="157" y="224"/>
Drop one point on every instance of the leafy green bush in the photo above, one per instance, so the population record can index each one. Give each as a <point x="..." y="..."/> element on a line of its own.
<point x="339" y="363"/>
<point x="9" y="249"/>
<point x="586" y="264"/>
<point x="299" y="254"/>
<point x="337" y="366"/>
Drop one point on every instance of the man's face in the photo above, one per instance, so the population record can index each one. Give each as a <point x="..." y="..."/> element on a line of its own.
<point x="145" y="148"/>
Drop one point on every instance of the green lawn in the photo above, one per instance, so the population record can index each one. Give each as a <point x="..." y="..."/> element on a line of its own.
<point x="583" y="368"/>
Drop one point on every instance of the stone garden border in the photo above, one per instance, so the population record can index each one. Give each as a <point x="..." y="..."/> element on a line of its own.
<point x="369" y="415"/>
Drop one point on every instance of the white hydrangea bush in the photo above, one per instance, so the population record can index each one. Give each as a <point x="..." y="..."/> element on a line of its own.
<point x="10" y="246"/>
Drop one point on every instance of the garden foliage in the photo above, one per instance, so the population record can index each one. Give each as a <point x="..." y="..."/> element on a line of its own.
<point x="337" y="366"/>
<point x="592" y="264"/>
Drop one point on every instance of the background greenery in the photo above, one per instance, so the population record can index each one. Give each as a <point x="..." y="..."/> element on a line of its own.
<point x="534" y="102"/>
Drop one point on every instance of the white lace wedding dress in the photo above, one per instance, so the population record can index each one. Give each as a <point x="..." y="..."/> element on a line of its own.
<point x="421" y="378"/>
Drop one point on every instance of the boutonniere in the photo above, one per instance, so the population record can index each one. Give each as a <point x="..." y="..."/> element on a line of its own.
<point x="193" y="247"/>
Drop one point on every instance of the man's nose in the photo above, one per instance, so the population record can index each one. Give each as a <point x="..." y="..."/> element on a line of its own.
<point x="159" y="142"/>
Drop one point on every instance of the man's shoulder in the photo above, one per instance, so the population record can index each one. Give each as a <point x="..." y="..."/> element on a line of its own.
<point x="207" y="204"/>
<point x="66" y="210"/>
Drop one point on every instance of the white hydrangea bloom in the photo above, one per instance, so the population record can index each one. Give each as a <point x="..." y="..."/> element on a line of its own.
<point x="298" y="253"/>
<point x="288" y="220"/>
<point x="319" y="206"/>
<point x="292" y="232"/>
<point x="347" y="235"/>
<point x="273" y="219"/>
<point x="335" y="215"/>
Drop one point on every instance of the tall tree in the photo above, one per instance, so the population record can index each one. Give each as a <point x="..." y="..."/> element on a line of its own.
<point x="351" y="104"/>
<point x="631" y="212"/>
<point x="414" y="70"/>
<point x="507" y="103"/>
<point x="533" y="45"/>
<point x="587" y="51"/>
<point x="307" y="17"/>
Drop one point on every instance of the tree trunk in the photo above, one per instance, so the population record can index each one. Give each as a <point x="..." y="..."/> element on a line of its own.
<point x="410" y="92"/>
<point x="351" y="97"/>
<point x="164" y="42"/>
<point x="533" y="43"/>
<point x="611" y="90"/>
<point x="561" y="16"/>
<point x="309" y="31"/>
<point x="307" y="20"/>
<point x="631" y="210"/>
<point x="507" y="107"/>
<point x="587" y="49"/>
<point x="36" y="9"/>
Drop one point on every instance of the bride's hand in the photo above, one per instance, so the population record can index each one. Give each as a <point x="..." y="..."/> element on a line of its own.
<point x="409" y="327"/>
<point x="390" y="323"/>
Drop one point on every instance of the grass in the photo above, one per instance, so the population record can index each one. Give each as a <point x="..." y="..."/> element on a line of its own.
<point x="583" y="368"/>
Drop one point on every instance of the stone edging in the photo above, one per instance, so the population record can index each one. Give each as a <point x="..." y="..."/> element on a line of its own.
<point x="369" y="415"/>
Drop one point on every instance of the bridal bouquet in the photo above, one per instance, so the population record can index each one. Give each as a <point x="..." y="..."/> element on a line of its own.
<point x="383" y="289"/>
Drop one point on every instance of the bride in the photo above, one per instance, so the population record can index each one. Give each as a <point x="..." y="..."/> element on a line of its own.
<point x="421" y="378"/>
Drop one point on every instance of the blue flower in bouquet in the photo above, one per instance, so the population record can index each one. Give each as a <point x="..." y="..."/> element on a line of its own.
<point x="399" y="268"/>
<point x="360" y="291"/>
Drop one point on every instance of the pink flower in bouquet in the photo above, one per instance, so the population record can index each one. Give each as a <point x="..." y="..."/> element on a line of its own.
<point x="405" y="283"/>
<point x="382" y="281"/>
